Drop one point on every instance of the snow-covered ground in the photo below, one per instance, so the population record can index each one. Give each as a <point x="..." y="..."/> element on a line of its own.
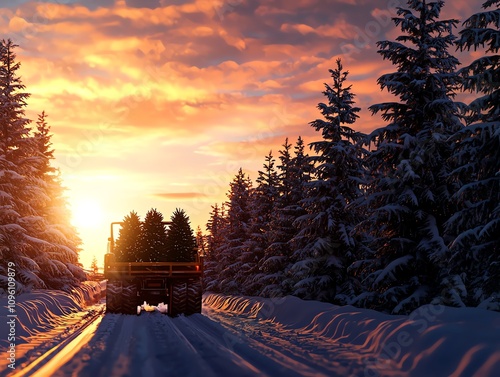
<point x="248" y="336"/>
<point x="432" y="341"/>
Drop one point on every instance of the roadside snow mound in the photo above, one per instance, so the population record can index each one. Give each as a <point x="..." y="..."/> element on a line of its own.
<point x="433" y="341"/>
<point x="90" y="292"/>
<point x="41" y="311"/>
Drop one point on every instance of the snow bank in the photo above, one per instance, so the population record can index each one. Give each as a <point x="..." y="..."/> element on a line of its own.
<point x="41" y="311"/>
<point x="90" y="292"/>
<point x="433" y="341"/>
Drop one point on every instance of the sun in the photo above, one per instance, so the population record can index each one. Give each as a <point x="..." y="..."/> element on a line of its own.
<point x="87" y="213"/>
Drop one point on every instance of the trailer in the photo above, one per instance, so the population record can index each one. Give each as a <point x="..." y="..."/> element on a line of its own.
<point x="129" y="284"/>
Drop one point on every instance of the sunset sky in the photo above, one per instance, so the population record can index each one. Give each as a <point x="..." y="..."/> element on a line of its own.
<point x="157" y="103"/>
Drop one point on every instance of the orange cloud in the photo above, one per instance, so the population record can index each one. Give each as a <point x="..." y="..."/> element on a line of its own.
<point x="179" y="195"/>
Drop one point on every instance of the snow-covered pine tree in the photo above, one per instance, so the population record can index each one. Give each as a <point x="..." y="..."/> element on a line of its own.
<point x="338" y="176"/>
<point x="45" y="256"/>
<point x="284" y="175"/>
<point x="215" y="239"/>
<point x="409" y="198"/>
<point x="475" y="261"/>
<point x="59" y="231"/>
<point x="58" y="255"/>
<point x="299" y="174"/>
<point x="56" y="210"/>
<point x="263" y="197"/>
<point x="153" y="238"/>
<point x="483" y="74"/>
<point x="276" y="256"/>
<point x="235" y="232"/>
<point x="276" y="263"/>
<point x="128" y="243"/>
<point x="14" y="132"/>
<point x="181" y="243"/>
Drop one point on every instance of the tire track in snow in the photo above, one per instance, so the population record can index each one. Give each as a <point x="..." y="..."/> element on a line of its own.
<point x="153" y="344"/>
<point x="223" y="360"/>
<point x="320" y="353"/>
<point x="182" y="355"/>
<point x="265" y="360"/>
<point x="128" y="345"/>
<point x="209" y="345"/>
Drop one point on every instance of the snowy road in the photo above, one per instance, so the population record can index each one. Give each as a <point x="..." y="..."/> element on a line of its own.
<point x="244" y="336"/>
<point x="209" y="344"/>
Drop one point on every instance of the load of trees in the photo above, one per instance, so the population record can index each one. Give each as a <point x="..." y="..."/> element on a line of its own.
<point x="152" y="240"/>
<point x="405" y="216"/>
<point x="38" y="245"/>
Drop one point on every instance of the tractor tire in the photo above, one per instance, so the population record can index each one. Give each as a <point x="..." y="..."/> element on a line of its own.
<point x="129" y="298"/>
<point x="179" y="298"/>
<point x="114" y="296"/>
<point x="194" y="296"/>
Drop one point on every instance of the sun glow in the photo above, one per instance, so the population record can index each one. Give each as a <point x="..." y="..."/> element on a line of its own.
<point x="87" y="213"/>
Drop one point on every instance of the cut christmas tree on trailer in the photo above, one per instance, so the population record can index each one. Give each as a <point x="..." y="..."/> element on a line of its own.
<point x="135" y="285"/>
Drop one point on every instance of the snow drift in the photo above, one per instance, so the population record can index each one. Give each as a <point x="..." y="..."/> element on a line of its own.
<point x="42" y="310"/>
<point x="433" y="341"/>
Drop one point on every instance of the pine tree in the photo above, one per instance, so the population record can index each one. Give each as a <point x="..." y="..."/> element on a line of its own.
<point x="215" y="240"/>
<point x="43" y="247"/>
<point x="276" y="255"/>
<point x="338" y="173"/>
<point x="284" y="175"/>
<point x="153" y="238"/>
<point x="94" y="268"/>
<point x="408" y="198"/>
<point x="483" y="74"/>
<point x="14" y="143"/>
<point x="181" y="243"/>
<point x="58" y="256"/>
<point x="235" y="232"/>
<point x="55" y="208"/>
<point x="42" y="137"/>
<point x="475" y="260"/>
<point x="300" y="173"/>
<point x="276" y="263"/>
<point x="262" y="204"/>
<point x="128" y="243"/>
<point x="201" y="242"/>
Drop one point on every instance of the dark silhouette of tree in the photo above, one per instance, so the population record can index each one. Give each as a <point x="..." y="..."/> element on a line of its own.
<point x="153" y="237"/>
<point x="215" y="239"/>
<point x="180" y="241"/>
<point x="128" y="243"/>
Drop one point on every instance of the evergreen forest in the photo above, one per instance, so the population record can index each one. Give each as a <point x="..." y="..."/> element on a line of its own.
<point x="406" y="215"/>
